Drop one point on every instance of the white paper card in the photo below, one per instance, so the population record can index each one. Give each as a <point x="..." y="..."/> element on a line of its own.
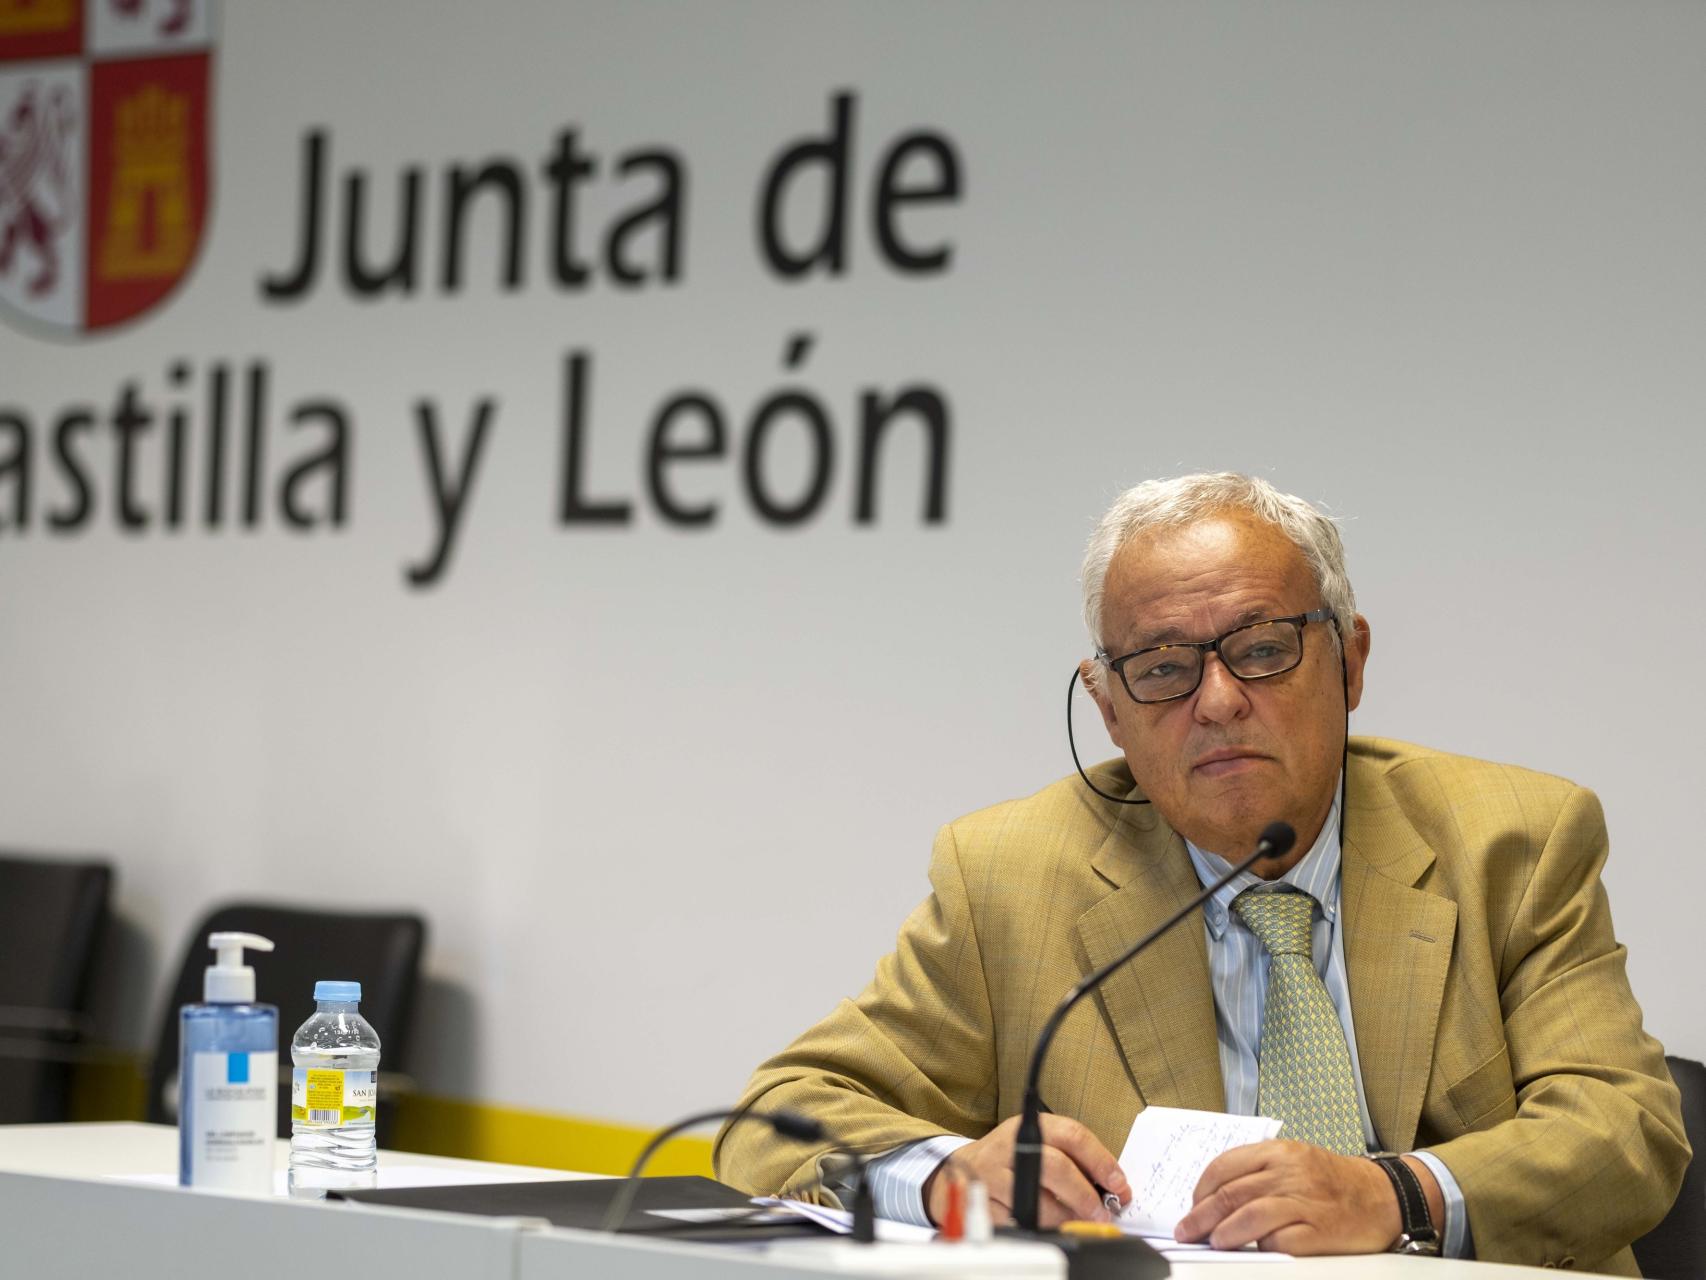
<point x="735" y="1213"/>
<point x="1176" y="1252"/>
<point x="1165" y="1154"/>
<point x="841" y="1222"/>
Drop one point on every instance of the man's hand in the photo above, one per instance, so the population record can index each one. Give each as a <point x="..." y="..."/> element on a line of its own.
<point x="1072" y="1160"/>
<point x="1297" y="1198"/>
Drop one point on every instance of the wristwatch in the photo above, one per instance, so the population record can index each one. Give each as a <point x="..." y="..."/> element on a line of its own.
<point x="1416" y="1232"/>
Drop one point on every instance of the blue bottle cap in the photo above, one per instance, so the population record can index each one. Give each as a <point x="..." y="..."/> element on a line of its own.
<point x="342" y="991"/>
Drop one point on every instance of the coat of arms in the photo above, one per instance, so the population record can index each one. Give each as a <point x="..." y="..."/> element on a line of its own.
<point x="105" y="139"/>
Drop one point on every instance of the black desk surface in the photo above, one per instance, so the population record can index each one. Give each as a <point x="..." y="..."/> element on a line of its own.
<point x="582" y="1202"/>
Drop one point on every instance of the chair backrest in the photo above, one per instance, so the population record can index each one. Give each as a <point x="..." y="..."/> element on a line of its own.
<point x="1676" y="1248"/>
<point x="382" y="952"/>
<point x="51" y="917"/>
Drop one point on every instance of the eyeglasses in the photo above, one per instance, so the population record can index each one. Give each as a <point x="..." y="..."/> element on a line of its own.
<point x="1252" y="652"/>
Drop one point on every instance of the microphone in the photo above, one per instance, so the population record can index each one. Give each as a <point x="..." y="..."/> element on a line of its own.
<point x="787" y="1124"/>
<point x="1274" y="842"/>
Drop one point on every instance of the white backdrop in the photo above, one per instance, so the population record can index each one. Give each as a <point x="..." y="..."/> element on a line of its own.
<point x="666" y="794"/>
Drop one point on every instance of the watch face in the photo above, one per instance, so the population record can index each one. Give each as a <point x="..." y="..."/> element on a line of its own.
<point x="1410" y="1244"/>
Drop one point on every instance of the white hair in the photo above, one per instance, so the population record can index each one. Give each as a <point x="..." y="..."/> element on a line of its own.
<point x="1183" y="500"/>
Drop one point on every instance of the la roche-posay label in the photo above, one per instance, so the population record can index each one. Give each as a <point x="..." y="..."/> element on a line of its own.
<point x="232" y="1120"/>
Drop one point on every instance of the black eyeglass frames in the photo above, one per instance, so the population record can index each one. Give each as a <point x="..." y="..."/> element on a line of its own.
<point x="1254" y="651"/>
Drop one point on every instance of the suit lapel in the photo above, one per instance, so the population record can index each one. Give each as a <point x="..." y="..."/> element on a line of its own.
<point x="1397" y="952"/>
<point x="1161" y="1006"/>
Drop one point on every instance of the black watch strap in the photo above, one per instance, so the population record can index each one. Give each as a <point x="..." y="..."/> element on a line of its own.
<point x="1416" y="1233"/>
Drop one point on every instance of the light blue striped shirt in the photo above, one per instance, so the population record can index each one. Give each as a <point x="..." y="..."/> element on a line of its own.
<point x="1238" y="970"/>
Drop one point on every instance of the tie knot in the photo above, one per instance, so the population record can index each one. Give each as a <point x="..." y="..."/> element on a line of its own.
<point x="1280" y="919"/>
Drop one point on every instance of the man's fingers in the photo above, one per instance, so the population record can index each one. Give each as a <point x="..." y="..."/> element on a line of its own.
<point x="1051" y="1212"/>
<point x="1264" y="1217"/>
<point x="1073" y="1161"/>
<point x="999" y="1183"/>
<point x="1226" y="1201"/>
<point x="1299" y="1238"/>
<point x="1065" y="1181"/>
<point x="1087" y="1152"/>
<point x="1231" y="1165"/>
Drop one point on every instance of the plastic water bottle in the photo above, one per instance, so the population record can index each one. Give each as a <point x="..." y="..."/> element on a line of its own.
<point x="334" y="1096"/>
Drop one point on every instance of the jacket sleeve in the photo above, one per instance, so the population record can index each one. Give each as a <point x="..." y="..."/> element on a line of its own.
<point x="910" y="1058"/>
<point x="1593" y="1151"/>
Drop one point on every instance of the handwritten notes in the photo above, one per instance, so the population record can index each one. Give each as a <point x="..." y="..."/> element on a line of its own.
<point x="1165" y="1154"/>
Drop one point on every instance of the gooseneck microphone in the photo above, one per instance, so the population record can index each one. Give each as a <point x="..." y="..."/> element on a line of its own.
<point x="1274" y="842"/>
<point x="787" y="1124"/>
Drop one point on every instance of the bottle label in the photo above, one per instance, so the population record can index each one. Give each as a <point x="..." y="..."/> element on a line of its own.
<point x="324" y="1097"/>
<point x="231" y="1120"/>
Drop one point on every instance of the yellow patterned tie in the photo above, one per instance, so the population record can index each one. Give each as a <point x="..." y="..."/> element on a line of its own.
<point x="1304" y="1072"/>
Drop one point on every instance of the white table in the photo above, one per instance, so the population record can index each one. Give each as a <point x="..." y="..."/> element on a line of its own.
<point x="99" y="1200"/>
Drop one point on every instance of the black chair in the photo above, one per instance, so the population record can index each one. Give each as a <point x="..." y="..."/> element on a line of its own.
<point x="51" y="916"/>
<point x="1676" y="1248"/>
<point x="382" y="952"/>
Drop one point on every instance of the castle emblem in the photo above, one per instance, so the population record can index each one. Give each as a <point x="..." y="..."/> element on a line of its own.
<point x="105" y="145"/>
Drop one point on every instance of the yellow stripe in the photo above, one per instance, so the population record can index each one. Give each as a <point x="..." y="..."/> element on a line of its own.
<point x="116" y="1089"/>
<point x="443" y="1127"/>
<point x="451" y="1127"/>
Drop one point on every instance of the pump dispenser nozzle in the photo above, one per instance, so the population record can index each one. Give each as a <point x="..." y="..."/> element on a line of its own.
<point x="231" y="981"/>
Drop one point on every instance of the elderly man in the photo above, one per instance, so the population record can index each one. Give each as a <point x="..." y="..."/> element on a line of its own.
<point x="1431" y="971"/>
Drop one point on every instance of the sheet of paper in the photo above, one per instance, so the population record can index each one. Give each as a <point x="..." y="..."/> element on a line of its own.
<point x="841" y="1222"/>
<point x="1165" y="1154"/>
<point x="737" y="1213"/>
<point x="1176" y="1252"/>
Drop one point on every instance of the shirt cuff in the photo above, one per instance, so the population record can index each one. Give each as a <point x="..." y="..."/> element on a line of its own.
<point x="897" y="1177"/>
<point x="1454" y="1234"/>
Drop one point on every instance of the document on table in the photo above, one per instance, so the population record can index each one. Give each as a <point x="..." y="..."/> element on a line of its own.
<point x="1173" y="1251"/>
<point x="1165" y="1155"/>
<point x="841" y="1222"/>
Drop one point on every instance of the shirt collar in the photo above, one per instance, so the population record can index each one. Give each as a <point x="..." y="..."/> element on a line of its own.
<point x="1317" y="874"/>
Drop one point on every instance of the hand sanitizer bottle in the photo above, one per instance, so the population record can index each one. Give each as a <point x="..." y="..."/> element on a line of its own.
<point x="228" y="1076"/>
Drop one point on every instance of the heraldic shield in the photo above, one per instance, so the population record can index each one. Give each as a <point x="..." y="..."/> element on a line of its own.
<point x="105" y="152"/>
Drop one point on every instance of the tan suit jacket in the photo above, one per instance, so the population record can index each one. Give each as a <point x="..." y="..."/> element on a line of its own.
<point x="1495" y="1026"/>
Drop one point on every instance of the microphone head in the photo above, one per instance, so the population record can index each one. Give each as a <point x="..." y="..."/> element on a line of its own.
<point x="790" y="1124"/>
<point x="1276" y="839"/>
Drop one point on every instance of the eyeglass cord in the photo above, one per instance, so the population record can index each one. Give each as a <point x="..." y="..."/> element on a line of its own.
<point x="1344" y="749"/>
